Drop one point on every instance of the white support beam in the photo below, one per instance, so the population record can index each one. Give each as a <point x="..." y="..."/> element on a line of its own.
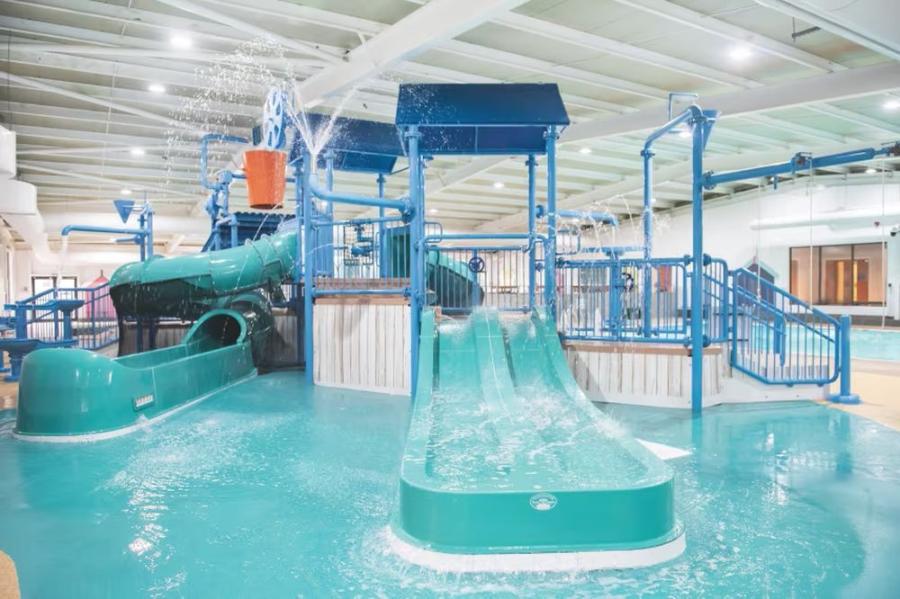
<point x="431" y="24"/>
<point x="96" y="179"/>
<point x="707" y="24"/>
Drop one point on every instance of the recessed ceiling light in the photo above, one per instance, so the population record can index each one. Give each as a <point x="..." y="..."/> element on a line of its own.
<point x="871" y="171"/>
<point x="585" y="151"/>
<point x="125" y="191"/>
<point x="891" y="104"/>
<point x="181" y="41"/>
<point x="137" y="151"/>
<point x="740" y="53"/>
<point x="498" y="185"/>
<point x="433" y="211"/>
<point x="157" y="88"/>
<point x="684" y="133"/>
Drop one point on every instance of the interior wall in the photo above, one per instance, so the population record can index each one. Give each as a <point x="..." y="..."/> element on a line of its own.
<point x="26" y="266"/>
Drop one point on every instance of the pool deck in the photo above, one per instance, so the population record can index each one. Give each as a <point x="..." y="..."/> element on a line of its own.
<point x="877" y="382"/>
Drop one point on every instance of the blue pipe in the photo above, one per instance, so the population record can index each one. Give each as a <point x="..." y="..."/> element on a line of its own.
<point x="606" y="218"/>
<point x="308" y="267"/>
<point x="416" y="249"/>
<point x="92" y="229"/>
<point x="800" y="161"/>
<point x="204" y="150"/>
<point x="403" y="206"/>
<point x="483" y="236"/>
<point x="531" y="163"/>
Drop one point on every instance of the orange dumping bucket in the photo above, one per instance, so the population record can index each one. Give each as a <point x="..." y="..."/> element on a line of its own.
<point x="264" y="170"/>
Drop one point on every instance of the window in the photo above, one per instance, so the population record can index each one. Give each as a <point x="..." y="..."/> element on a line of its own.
<point x="838" y="274"/>
<point x="40" y="284"/>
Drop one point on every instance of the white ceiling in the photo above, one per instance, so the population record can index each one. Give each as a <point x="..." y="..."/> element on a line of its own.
<point x="77" y="72"/>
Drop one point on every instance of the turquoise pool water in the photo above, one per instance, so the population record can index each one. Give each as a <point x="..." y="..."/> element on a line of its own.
<point x="273" y="489"/>
<point x="874" y="344"/>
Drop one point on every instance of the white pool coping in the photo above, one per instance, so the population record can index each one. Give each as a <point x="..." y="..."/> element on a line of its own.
<point x="574" y="561"/>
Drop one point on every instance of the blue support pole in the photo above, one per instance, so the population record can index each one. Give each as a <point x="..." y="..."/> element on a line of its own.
<point x="697" y="266"/>
<point x="298" y="265"/>
<point x="416" y="249"/>
<point x="532" y="230"/>
<point x="382" y="268"/>
<point x="309" y="265"/>
<point x="844" y="396"/>
<point x="550" y="247"/>
<point x="647" y="155"/>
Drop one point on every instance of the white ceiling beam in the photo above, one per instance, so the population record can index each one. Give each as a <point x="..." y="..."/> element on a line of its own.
<point x="431" y="24"/>
<point x="707" y="24"/>
<point x="218" y="16"/>
<point x="94" y="178"/>
<point x="590" y="41"/>
<point x="856" y="118"/>
<point x="832" y="86"/>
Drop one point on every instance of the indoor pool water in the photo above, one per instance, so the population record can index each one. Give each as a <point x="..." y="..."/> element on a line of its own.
<point x="275" y="489"/>
<point x="875" y="344"/>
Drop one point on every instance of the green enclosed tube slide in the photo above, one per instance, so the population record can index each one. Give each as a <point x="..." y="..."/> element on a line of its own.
<point x="74" y="393"/>
<point x="507" y="458"/>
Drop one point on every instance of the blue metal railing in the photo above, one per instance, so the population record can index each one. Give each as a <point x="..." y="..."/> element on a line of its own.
<point x="774" y="336"/>
<point x="93" y="325"/>
<point x="778" y="338"/>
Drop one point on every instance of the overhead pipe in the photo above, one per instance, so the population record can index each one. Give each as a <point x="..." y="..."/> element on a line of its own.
<point x="402" y="205"/>
<point x="605" y="218"/>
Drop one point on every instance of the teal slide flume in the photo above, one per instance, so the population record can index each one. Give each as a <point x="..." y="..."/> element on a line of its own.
<point x="505" y="454"/>
<point x="76" y="393"/>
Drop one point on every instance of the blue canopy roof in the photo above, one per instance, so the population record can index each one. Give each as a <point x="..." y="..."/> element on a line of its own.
<point x="481" y="118"/>
<point x="359" y="145"/>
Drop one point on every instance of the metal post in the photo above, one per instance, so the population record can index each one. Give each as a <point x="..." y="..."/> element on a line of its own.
<point x="416" y="257"/>
<point x="646" y="271"/>
<point x="550" y="248"/>
<point x="149" y="229"/>
<point x="381" y="251"/>
<point x="309" y="265"/>
<point x="844" y="396"/>
<point x="697" y="266"/>
<point x="532" y="240"/>
<point x="297" y="278"/>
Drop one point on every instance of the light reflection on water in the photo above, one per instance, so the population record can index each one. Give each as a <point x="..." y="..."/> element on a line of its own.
<point x="271" y="489"/>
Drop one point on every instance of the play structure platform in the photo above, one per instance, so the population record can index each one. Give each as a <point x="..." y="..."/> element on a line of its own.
<point x="505" y="454"/>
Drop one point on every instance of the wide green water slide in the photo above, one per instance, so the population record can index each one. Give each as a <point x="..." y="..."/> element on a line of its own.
<point x="505" y="454"/>
<point x="72" y="393"/>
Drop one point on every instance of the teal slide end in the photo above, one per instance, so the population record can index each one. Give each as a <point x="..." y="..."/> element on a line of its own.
<point x="68" y="393"/>
<point x="505" y="454"/>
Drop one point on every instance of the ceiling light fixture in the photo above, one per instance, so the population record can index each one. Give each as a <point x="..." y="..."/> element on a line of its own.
<point x="137" y="151"/>
<point x="433" y="211"/>
<point x="498" y="185"/>
<point x="125" y="191"/>
<point x="157" y="88"/>
<point x="740" y="53"/>
<point x="892" y="104"/>
<point x="871" y="170"/>
<point x="585" y="151"/>
<point x="181" y="41"/>
<point x="684" y="133"/>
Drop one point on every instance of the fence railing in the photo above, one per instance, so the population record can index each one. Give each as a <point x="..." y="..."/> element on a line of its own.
<point x="608" y="300"/>
<point x="779" y="338"/>
<point x="43" y="316"/>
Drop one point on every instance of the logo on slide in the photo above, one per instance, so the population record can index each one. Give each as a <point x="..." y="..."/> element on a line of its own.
<point x="543" y="501"/>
